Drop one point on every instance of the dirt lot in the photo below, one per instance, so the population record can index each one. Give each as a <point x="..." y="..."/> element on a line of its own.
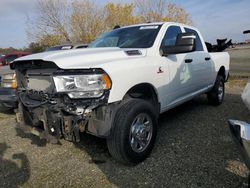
<point x="193" y="149"/>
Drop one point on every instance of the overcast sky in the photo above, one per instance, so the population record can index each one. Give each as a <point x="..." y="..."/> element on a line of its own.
<point x="214" y="18"/>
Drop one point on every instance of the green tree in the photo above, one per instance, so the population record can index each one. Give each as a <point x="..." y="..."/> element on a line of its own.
<point x="119" y="14"/>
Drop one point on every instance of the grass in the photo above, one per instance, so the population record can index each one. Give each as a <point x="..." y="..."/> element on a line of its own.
<point x="237" y="82"/>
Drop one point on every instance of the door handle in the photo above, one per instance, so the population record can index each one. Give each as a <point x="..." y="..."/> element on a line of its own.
<point x="188" y="60"/>
<point x="207" y="58"/>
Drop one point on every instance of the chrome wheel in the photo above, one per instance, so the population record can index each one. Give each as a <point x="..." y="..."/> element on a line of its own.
<point x="141" y="132"/>
<point x="221" y="91"/>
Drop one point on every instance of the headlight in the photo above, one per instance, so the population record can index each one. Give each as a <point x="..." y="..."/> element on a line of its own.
<point x="9" y="81"/>
<point x="82" y="86"/>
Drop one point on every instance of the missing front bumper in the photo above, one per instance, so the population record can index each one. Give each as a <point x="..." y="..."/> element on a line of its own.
<point x="50" y="125"/>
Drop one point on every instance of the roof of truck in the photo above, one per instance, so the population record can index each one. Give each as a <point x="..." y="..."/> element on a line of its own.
<point x="161" y="23"/>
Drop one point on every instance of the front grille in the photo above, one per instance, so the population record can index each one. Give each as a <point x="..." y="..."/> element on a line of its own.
<point x="36" y="80"/>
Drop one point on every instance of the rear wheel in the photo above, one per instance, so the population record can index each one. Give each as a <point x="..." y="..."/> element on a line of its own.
<point x="134" y="132"/>
<point x="216" y="95"/>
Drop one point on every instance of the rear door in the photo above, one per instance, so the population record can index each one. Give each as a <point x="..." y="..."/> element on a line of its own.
<point x="201" y="63"/>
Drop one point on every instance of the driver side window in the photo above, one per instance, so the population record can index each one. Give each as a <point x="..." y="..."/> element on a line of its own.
<point x="171" y="36"/>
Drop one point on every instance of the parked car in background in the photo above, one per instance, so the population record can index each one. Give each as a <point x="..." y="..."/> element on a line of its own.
<point x="117" y="87"/>
<point x="67" y="47"/>
<point x="5" y="60"/>
<point x="8" y="98"/>
<point x="240" y="131"/>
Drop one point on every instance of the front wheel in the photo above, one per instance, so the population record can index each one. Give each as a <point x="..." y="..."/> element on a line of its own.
<point x="134" y="131"/>
<point x="216" y="95"/>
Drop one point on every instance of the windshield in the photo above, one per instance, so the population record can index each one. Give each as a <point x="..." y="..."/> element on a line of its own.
<point x="130" y="37"/>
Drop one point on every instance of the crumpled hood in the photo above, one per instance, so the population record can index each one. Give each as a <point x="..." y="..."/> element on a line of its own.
<point x="84" y="58"/>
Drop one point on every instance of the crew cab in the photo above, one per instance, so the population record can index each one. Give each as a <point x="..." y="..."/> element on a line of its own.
<point x="118" y="86"/>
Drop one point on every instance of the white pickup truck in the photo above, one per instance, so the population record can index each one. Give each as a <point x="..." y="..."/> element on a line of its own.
<point x="117" y="87"/>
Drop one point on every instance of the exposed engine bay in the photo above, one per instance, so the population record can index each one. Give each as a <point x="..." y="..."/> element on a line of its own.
<point x="50" y="114"/>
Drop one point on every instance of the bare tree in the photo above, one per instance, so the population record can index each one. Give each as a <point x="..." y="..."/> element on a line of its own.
<point x="52" y="18"/>
<point x="60" y="21"/>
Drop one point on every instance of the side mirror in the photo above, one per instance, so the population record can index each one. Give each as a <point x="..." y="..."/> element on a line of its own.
<point x="185" y="42"/>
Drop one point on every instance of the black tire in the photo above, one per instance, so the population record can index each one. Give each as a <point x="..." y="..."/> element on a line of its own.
<point x="120" y="143"/>
<point x="216" y="95"/>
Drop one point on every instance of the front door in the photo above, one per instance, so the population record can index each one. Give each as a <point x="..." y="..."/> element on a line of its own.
<point x="180" y="70"/>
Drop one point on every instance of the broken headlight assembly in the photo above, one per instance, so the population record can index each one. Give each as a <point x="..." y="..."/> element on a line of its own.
<point x="82" y="86"/>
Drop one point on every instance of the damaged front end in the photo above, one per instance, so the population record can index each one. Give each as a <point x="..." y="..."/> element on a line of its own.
<point x="56" y="103"/>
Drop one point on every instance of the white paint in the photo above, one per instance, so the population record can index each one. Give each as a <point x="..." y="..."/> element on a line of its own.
<point x="178" y="82"/>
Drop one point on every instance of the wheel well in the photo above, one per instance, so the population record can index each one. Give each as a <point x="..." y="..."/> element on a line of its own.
<point x="144" y="91"/>
<point x="222" y="72"/>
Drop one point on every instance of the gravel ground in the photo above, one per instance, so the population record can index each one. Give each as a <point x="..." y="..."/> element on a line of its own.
<point x="193" y="149"/>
